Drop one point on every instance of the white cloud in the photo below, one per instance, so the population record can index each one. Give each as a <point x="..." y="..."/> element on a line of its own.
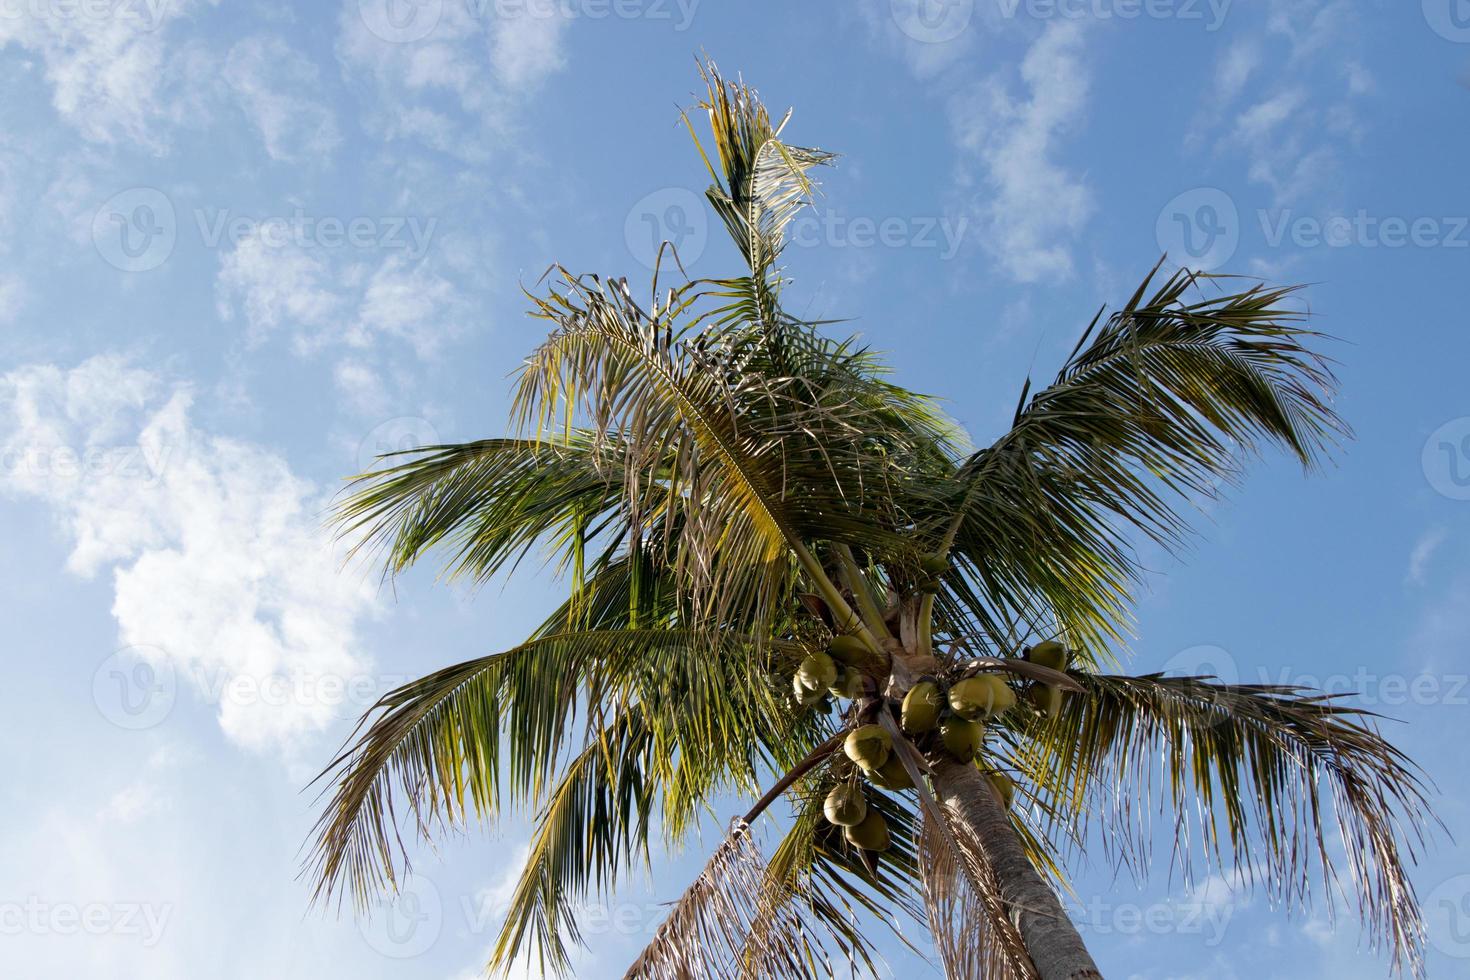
<point x="272" y="83"/>
<point x="1033" y="206"/>
<point x="220" y="568"/>
<point x="406" y="299"/>
<point x="279" y="285"/>
<point x="12" y="297"/>
<point x="325" y="297"/>
<point x="476" y="62"/>
<point x="526" y="47"/>
<point x="1291" y="121"/>
<point x="112" y="73"/>
<point x="1423" y="553"/>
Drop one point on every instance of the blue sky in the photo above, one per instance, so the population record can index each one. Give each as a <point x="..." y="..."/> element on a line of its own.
<point x="246" y="245"/>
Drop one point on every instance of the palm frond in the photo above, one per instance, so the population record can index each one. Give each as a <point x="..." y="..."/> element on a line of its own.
<point x="1255" y="765"/>
<point x="486" y="503"/>
<point x="445" y="743"/>
<point x="1155" y="406"/>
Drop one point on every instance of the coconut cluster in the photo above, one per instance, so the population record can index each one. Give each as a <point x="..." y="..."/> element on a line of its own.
<point x="942" y="720"/>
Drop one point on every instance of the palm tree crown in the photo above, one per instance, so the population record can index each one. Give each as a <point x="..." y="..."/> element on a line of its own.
<point x="791" y="578"/>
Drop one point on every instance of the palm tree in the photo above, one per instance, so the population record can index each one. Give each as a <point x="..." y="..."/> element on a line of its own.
<point x="737" y="501"/>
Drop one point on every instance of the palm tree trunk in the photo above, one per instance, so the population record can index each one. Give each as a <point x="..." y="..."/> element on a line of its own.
<point x="1056" y="949"/>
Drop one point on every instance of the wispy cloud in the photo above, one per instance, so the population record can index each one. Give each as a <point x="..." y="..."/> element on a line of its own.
<point x="457" y="88"/>
<point x="274" y="85"/>
<point x="115" y="70"/>
<point x="1032" y="205"/>
<point x="1423" y="554"/>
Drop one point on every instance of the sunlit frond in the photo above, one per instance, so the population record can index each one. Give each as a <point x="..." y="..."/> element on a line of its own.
<point x="1155" y="407"/>
<point x="1248" y="772"/>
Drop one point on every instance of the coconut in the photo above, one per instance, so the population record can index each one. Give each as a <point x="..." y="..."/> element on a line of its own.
<point x="871" y="834"/>
<point x="921" y="707"/>
<point x="931" y="586"/>
<point x="849" y="684"/>
<point x="1049" y="653"/>
<point x="817" y="671"/>
<point x="848" y="648"/>
<point x="934" y="565"/>
<point x="1004" y="786"/>
<point x="1046" y="698"/>
<point x="892" y="775"/>
<point x="980" y="697"/>
<point x="845" y="805"/>
<point x="1003" y="698"/>
<point x="805" y="696"/>
<point x="868" y="745"/>
<point x="961" y="737"/>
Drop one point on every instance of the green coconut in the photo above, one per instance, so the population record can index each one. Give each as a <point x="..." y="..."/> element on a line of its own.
<point x="817" y="671"/>
<point x="961" y="737"/>
<point x="934" y="565"/>
<point x="871" y="834"/>
<point x="892" y="775"/>
<point x="849" y="684"/>
<point x="845" y="805"/>
<point x="1005" y="787"/>
<point x="1049" y="653"/>
<point x="921" y="707"/>
<point x="848" y="649"/>
<point x="805" y="696"/>
<point x="1046" y="698"/>
<point x="1001" y="695"/>
<point x="869" y="746"/>
<point x="980" y="697"/>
